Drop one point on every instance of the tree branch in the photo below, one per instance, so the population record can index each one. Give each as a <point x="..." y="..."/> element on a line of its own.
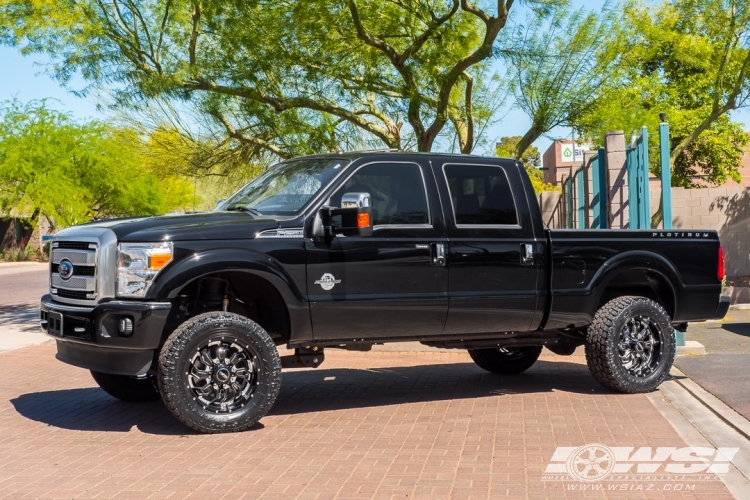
<point x="412" y="90"/>
<point x="194" y="33"/>
<point x="469" y="114"/>
<point x="493" y="26"/>
<point x="422" y="39"/>
<point x="163" y="26"/>
<point x="280" y="105"/>
<point x="235" y="134"/>
<point x="716" y="113"/>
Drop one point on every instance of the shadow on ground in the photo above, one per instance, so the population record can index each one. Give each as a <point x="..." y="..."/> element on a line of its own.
<point x="738" y="328"/>
<point x="91" y="409"/>
<point x="21" y="319"/>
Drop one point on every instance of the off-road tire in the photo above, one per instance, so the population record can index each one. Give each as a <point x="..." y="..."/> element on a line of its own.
<point x="186" y="340"/>
<point x="497" y="361"/>
<point x="124" y="388"/>
<point x="602" y="339"/>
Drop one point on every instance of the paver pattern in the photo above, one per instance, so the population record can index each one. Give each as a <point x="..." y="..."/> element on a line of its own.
<point x="364" y="425"/>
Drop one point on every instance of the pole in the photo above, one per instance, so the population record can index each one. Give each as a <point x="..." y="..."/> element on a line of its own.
<point x="645" y="201"/>
<point x="666" y="175"/>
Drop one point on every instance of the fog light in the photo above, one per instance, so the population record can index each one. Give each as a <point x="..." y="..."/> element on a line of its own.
<point x="126" y="327"/>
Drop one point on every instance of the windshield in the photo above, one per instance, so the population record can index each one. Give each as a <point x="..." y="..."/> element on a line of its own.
<point x="284" y="189"/>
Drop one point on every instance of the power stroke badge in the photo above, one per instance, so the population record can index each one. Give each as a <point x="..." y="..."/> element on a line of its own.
<point x="327" y="281"/>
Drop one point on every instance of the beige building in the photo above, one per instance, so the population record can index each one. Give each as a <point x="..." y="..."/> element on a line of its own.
<point x="559" y="157"/>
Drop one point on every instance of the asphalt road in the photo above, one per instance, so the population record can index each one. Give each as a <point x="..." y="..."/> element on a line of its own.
<point x="725" y="369"/>
<point x="21" y="287"/>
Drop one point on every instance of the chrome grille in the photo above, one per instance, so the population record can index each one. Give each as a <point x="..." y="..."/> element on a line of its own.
<point x="80" y="257"/>
<point x="74" y="283"/>
<point x="82" y="285"/>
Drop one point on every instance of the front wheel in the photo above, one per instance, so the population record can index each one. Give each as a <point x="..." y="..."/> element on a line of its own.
<point x="219" y="372"/>
<point x="630" y="345"/>
<point x="124" y="388"/>
<point x="506" y="361"/>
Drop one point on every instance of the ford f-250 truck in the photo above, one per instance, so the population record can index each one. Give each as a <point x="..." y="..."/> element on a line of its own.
<point x="350" y="250"/>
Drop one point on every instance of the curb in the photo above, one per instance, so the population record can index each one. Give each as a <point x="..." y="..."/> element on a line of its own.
<point x="4" y="265"/>
<point x="702" y="420"/>
<point x="691" y="348"/>
<point x="730" y="417"/>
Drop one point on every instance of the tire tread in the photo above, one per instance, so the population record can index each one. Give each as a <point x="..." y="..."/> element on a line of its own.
<point x="177" y="342"/>
<point x="599" y="351"/>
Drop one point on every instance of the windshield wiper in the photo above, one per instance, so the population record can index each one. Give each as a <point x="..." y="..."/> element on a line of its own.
<point x="241" y="208"/>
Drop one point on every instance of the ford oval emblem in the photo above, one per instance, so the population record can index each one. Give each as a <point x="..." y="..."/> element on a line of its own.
<point x="65" y="269"/>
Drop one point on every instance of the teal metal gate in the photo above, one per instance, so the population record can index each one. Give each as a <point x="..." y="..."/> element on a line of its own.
<point x="585" y="203"/>
<point x="578" y="205"/>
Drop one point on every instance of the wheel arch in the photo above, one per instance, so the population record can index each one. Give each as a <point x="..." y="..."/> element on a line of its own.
<point x="254" y="276"/>
<point x="639" y="273"/>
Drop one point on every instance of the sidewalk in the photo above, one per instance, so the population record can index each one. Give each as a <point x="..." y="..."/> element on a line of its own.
<point x="364" y="425"/>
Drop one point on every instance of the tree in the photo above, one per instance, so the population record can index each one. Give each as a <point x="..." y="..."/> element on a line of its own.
<point x="53" y="167"/>
<point x="561" y="66"/>
<point x="531" y="159"/>
<point x="282" y="77"/>
<point x="690" y="59"/>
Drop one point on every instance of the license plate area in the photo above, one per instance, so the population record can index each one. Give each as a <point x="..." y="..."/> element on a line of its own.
<point x="55" y="324"/>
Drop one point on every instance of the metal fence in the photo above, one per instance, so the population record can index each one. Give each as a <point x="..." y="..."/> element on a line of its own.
<point x="585" y="195"/>
<point x="585" y="192"/>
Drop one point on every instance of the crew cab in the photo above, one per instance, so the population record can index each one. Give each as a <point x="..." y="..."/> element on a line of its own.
<point x="354" y="249"/>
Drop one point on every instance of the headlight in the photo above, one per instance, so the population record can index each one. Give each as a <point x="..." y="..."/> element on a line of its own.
<point x="138" y="264"/>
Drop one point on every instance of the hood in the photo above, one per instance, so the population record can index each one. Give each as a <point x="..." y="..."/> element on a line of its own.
<point x="183" y="227"/>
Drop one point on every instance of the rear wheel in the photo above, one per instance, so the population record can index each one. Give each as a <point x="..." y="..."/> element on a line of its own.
<point x="219" y="372"/>
<point x="124" y="388"/>
<point x="630" y="345"/>
<point x="506" y="360"/>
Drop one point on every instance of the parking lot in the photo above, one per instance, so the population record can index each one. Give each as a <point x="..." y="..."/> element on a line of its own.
<point x="364" y="425"/>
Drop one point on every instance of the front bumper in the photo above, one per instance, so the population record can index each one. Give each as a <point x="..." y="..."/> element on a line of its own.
<point x="89" y="337"/>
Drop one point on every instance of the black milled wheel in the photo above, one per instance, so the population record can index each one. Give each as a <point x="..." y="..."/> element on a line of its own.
<point x="132" y="389"/>
<point x="630" y="345"/>
<point x="219" y="372"/>
<point x="506" y="361"/>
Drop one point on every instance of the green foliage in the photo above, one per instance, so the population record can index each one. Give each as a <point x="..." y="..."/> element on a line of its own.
<point x="689" y="59"/>
<point x="69" y="173"/>
<point x="214" y="163"/>
<point x="715" y="156"/>
<point x="561" y="66"/>
<point x="531" y="159"/>
<point x="507" y="146"/>
<point x="284" y="78"/>
<point x="16" y="254"/>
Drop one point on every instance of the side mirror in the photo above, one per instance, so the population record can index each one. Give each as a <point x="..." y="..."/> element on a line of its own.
<point x="356" y="216"/>
<point x="219" y="203"/>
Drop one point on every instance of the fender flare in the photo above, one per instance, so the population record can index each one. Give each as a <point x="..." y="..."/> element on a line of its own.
<point x="175" y="277"/>
<point x="637" y="259"/>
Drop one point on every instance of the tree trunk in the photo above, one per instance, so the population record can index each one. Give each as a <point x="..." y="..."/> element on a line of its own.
<point x="529" y="137"/>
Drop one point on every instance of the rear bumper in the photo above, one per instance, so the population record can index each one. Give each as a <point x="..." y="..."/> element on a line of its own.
<point x="723" y="307"/>
<point x="90" y="336"/>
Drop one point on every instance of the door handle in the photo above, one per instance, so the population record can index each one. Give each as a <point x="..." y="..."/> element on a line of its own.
<point x="438" y="254"/>
<point x="527" y="254"/>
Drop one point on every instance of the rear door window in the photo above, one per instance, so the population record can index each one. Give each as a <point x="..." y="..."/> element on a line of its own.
<point x="480" y="195"/>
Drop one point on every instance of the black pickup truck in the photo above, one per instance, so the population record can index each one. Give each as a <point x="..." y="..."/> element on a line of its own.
<point x="349" y="250"/>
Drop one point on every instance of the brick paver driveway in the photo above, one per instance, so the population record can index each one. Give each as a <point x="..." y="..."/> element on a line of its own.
<point x="383" y="425"/>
